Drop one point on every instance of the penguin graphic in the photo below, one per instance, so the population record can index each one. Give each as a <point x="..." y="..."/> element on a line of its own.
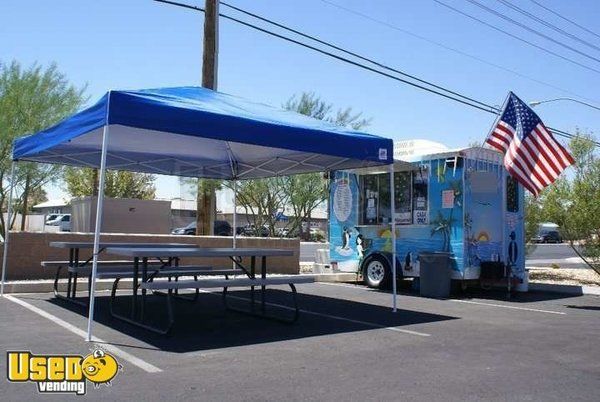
<point x="359" y="245"/>
<point x="408" y="262"/>
<point x="513" y="249"/>
<point x="346" y="238"/>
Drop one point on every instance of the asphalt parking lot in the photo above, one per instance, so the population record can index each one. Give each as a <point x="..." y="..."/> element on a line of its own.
<point x="347" y="345"/>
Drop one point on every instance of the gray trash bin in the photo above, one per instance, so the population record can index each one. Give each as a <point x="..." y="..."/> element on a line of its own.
<point x="435" y="274"/>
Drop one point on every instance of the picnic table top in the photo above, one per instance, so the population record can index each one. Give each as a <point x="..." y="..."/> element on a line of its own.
<point x="105" y="244"/>
<point x="141" y="252"/>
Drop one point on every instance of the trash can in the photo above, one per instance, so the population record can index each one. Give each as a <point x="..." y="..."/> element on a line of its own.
<point x="435" y="274"/>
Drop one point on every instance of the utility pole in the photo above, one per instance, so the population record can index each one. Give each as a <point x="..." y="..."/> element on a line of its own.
<point x="206" y="200"/>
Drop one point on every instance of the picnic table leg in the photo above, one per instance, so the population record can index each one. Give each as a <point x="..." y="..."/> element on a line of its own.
<point x="136" y="270"/>
<point x="144" y="279"/>
<point x="76" y="262"/>
<point x="263" y="274"/>
<point x="252" y="275"/>
<point x="70" y="275"/>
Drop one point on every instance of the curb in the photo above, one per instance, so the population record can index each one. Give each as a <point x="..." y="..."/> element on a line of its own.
<point x="335" y="277"/>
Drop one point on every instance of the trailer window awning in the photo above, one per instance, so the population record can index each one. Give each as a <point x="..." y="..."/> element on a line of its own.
<point x="196" y="132"/>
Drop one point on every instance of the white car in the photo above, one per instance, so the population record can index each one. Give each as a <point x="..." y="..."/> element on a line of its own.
<point x="63" y="221"/>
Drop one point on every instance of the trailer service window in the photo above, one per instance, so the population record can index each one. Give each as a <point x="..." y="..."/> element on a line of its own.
<point x="410" y="198"/>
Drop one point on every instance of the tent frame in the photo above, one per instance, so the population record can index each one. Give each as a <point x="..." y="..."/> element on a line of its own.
<point x="99" y="210"/>
<point x="236" y="175"/>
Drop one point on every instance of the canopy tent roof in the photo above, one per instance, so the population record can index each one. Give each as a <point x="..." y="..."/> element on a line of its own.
<point x="196" y="132"/>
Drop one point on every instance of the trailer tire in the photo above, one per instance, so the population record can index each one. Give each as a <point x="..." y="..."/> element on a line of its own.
<point x="377" y="272"/>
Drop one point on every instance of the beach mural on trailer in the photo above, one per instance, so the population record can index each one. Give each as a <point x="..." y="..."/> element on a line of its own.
<point x="464" y="211"/>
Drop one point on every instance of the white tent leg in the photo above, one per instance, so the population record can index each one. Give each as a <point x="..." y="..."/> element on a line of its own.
<point x="234" y="212"/>
<point x="7" y="225"/>
<point x="234" y="216"/>
<point x="393" y="228"/>
<point x="99" y="205"/>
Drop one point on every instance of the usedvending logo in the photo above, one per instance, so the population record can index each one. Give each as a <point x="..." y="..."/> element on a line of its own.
<point x="62" y="373"/>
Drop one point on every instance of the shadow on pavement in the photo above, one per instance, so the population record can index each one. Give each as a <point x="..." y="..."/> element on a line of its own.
<point x="206" y="325"/>
<point x="498" y="294"/>
<point x="597" y="308"/>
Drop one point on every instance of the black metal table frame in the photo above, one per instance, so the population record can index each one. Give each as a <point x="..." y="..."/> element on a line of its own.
<point x="144" y="277"/>
<point x="73" y="276"/>
<point x="136" y="317"/>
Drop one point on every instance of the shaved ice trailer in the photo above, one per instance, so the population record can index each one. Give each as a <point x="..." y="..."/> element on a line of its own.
<point x="461" y="202"/>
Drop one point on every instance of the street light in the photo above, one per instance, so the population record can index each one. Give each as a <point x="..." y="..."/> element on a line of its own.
<point x="535" y="103"/>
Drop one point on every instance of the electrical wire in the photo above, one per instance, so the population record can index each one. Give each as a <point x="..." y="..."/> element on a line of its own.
<point x="486" y="108"/>
<point x="329" y="44"/>
<point x="564" y="18"/>
<point x="455" y="50"/>
<point x="456" y="10"/>
<point x="547" y="24"/>
<point x="534" y="31"/>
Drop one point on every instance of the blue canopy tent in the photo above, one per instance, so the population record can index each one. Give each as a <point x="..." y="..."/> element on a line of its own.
<point x="195" y="132"/>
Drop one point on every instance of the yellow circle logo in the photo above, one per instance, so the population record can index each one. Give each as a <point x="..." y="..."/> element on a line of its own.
<point x="100" y="367"/>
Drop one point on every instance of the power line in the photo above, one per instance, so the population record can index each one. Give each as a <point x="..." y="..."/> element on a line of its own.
<point x="329" y="44"/>
<point x="547" y="24"/>
<point x="464" y="100"/>
<point x="516" y="37"/>
<point x="565" y="18"/>
<point x="457" y="51"/>
<point x="534" y="31"/>
<point x="486" y="108"/>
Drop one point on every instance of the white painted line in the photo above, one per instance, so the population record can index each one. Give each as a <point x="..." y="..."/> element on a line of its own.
<point x="149" y="368"/>
<point x="509" y="307"/>
<point x="335" y="317"/>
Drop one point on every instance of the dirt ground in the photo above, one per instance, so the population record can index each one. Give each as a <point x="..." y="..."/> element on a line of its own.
<point x="565" y="276"/>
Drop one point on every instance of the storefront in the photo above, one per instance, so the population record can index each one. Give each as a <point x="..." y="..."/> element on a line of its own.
<point x="457" y="201"/>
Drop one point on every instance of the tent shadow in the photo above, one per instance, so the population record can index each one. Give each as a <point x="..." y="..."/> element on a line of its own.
<point x="207" y="325"/>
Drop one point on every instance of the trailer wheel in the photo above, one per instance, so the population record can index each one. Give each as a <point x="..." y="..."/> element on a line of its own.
<point x="377" y="272"/>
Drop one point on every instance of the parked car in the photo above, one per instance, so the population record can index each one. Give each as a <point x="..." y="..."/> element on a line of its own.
<point x="62" y="221"/>
<point x="51" y="217"/>
<point x="222" y="228"/>
<point x="253" y="231"/>
<point x="551" y="236"/>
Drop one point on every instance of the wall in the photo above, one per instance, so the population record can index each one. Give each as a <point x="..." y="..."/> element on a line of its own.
<point x="33" y="222"/>
<point x="27" y="250"/>
<point x="122" y="215"/>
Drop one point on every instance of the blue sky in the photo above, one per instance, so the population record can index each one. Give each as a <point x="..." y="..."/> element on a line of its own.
<point x="114" y="44"/>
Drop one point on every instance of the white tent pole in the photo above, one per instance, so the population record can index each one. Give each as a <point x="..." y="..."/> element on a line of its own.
<point x="234" y="212"/>
<point x="99" y="205"/>
<point x="7" y="225"/>
<point x="393" y="228"/>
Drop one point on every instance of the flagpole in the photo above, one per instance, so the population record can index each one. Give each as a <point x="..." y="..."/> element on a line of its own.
<point x="497" y="119"/>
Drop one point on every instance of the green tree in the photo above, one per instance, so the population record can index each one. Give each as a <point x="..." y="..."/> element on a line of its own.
<point x="80" y="182"/>
<point x="309" y="104"/>
<point x="309" y="191"/>
<point x="31" y="99"/>
<point x="262" y="199"/>
<point x="573" y="203"/>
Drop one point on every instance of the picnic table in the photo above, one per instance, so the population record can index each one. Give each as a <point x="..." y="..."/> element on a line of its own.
<point x="75" y="266"/>
<point x="142" y="255"/>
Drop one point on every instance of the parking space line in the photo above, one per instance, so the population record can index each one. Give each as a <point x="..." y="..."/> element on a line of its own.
<point x="509" y="307"/>
<point x="144" y="365"/>
<point x="335" y="317"/>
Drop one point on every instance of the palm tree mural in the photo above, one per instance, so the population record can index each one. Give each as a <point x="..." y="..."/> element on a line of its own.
<point x="443" y="226"/>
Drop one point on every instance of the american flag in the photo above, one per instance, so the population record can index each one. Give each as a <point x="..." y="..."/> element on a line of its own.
<point x="531" y="154"/>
